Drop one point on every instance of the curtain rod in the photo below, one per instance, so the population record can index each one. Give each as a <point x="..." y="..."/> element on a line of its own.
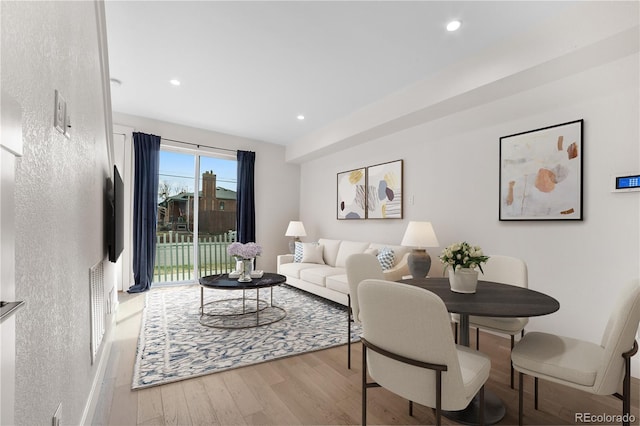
<point x="189" y="143"/>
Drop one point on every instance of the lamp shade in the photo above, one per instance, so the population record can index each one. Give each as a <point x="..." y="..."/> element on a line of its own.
<point x="420" y="234"/>
<point x="295" y="229"/>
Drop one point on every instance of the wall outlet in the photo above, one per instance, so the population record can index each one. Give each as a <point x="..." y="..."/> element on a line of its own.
<point x="60" y="113"/>
<point x="57" y="416"/>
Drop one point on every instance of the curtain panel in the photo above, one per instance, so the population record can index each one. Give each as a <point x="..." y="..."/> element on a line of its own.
<point x="246" y="210"/>
<point x="145" y="209"/>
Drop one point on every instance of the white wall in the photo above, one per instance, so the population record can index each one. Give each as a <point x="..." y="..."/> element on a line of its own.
<point x="59" y="205"/>
<point x="451" y="169"/>
<point x="277" y="184"/>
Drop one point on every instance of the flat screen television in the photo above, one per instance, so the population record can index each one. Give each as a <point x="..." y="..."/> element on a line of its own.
<point x="115" y="228"/>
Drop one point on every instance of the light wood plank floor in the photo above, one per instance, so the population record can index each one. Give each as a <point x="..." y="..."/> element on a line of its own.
<point x="311" y="389"/>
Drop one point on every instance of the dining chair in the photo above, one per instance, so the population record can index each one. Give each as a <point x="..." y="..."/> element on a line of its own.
<point x="600" y="369"/>
<point x="359" y="267"/>
<point x="503" y="270"/>
<point x="408" y="349"/>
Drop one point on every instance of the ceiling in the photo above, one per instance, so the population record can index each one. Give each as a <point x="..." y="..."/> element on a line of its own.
<point x="250" y="68"/>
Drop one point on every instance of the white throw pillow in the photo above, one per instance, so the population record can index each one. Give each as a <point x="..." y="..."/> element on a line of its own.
<point x="312" y="253"/>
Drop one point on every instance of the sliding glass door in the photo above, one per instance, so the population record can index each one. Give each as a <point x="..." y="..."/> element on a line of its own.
<point x="196" y="215"/>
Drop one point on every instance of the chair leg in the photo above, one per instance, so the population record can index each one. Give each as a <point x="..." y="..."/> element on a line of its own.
<point x="481" y="412"/>
<point x="349" y="332"/>
<point x="455" y="332"/>
<point x="364" y="385"/>
<point x="411" y="408"/>
<point x="438" y="397"/>
<point x="520" y="397"/>
<point x="477" y="339"/>
<point x="513" y="339"/>
<point x="535" y="393"/>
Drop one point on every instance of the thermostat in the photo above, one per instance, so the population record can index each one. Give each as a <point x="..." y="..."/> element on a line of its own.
<point x="626" y="182"/>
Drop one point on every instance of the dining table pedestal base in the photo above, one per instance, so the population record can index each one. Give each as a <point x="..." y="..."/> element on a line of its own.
<point x="494" y="410"/>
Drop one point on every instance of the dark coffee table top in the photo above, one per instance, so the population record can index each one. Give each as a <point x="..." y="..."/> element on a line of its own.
<point x="490" y="299"/>
<point x="223" y="281"/>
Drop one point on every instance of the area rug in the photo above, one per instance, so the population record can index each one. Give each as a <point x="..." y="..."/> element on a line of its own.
<point x="174" y="346"/>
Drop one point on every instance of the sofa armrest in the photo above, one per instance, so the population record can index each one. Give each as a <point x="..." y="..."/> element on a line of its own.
<point x="398" y="271"/>
<point x="282" y="259"/>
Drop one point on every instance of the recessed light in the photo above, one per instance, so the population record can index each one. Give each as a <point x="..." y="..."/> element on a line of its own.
<point x="300" y="117"/>
<point x="175" y="82"/>
<point x="453" y="25"/>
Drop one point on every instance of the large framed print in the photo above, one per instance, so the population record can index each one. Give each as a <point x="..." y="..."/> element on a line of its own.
<point x="541" y="174"/>
<point x="351" y="188"/>
<point x="384" y="191"/>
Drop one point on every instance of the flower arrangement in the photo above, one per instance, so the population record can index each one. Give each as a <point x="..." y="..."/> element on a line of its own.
<point x="244" y="251"/>
<point x="463" y="255"/>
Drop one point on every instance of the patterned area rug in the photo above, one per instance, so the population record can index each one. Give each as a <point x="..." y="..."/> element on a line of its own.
<point x="174" y="346"/>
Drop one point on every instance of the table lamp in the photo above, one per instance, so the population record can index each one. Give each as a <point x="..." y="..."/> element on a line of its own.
<point x="419" y="235"/>
<point x="295" y="230"/>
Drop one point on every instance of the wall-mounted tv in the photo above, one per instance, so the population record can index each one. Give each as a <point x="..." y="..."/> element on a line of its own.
<point x="115" y="228"/>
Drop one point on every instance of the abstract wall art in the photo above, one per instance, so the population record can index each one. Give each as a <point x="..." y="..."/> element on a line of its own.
<point x="384" y="191"/>
<point x="352" y="194"/>
<point x="541" y="174"/>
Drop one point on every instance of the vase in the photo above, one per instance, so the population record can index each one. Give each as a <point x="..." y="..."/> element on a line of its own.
<point x="245" y="272"/>
<point x="463" y="280"/>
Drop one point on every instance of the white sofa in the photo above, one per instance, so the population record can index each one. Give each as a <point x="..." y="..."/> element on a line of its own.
<point x="329" y="280"/>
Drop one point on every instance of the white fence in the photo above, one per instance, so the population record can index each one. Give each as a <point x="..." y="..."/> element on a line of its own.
<point x="175" y="259"/>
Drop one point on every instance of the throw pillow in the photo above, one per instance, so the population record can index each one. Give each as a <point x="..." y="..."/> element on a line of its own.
<point x="312" y="253"/>
<point x="386" y="257"/>
<point x="297" y="254"/>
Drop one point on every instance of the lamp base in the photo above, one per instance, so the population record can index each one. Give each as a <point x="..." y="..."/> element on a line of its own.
<point x="419" y="263"/>
<point x="292" y="245"/>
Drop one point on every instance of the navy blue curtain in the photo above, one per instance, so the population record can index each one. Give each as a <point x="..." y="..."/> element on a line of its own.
<point x="246" y="208"/>
<point x="145" y="209"/>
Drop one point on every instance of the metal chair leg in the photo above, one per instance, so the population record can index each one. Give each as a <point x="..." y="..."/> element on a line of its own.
<point x="481" y="412"/>
<point x="513" y="341"/>
<point x="364" y="385"/>
<point x="349" y="332"/>
<point x="520" y="397"/>
<point x="411" y="408"/>
<point x="477" y="338"/>
<point x="535" y="392"/>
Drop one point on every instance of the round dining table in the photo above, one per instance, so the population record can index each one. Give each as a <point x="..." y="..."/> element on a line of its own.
<point x="490" y="300"/>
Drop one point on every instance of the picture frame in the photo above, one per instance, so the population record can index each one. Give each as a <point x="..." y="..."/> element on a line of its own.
<point x="384" y="190"/>
<point x="541" y="174"/>
<point x="351" y="194"/>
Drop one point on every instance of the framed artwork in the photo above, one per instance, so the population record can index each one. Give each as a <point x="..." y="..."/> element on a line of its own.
<point x="352" y="194"/>
<point x="384" y="191"/>
<point x="541" y="174"/>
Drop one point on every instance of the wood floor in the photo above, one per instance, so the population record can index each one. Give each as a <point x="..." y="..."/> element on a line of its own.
<point x="310" y="389"/>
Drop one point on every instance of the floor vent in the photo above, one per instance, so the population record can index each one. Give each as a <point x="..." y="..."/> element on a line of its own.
<point x="98" y="311"/>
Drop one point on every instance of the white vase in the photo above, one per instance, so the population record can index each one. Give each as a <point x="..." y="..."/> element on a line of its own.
<point x="245" y="271"/>
<point x="463" y="280"/>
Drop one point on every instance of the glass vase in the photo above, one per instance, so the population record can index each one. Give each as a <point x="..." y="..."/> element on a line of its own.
<point x="245" y="273"/>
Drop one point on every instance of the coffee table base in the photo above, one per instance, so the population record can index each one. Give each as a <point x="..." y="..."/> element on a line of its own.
<point x="235" y="314"/>
<point x="494" y="410"/>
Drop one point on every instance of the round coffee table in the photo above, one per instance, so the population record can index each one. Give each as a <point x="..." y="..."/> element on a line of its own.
<point x="236" y="313"/>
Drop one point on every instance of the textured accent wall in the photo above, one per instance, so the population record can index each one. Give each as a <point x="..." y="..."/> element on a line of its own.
<point x="60" y="186"/>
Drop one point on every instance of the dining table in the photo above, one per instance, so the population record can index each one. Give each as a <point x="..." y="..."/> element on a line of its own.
<point x="491" y="299"/>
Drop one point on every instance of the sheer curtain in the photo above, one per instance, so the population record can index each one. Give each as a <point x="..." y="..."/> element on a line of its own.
<point x="246" y="211"/>
<point x="145" y="209"/>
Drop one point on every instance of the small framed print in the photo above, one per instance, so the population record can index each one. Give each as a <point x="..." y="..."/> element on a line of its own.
<point x="384" y="190"/>
<point x="541" y="174"/>
<point x="351" y="190"/>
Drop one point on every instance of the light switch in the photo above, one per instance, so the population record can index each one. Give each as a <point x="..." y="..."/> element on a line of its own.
<point x="60" y="113"/>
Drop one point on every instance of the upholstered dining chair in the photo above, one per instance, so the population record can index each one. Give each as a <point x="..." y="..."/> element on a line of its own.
<point x="359" y="267"/>
<point x="503" y="270"/>
<point x="408" y="348"/>
<point x="600" y="369"/>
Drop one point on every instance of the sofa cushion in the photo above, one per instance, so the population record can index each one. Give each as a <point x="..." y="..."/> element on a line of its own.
<point x="386" y="257"/>
<point x="318" y="274"/>
<point x="338" y="283"/>
<point x="347" y="248"/>
<point x="330" y="250"/>
<point x="293" y="269"/>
